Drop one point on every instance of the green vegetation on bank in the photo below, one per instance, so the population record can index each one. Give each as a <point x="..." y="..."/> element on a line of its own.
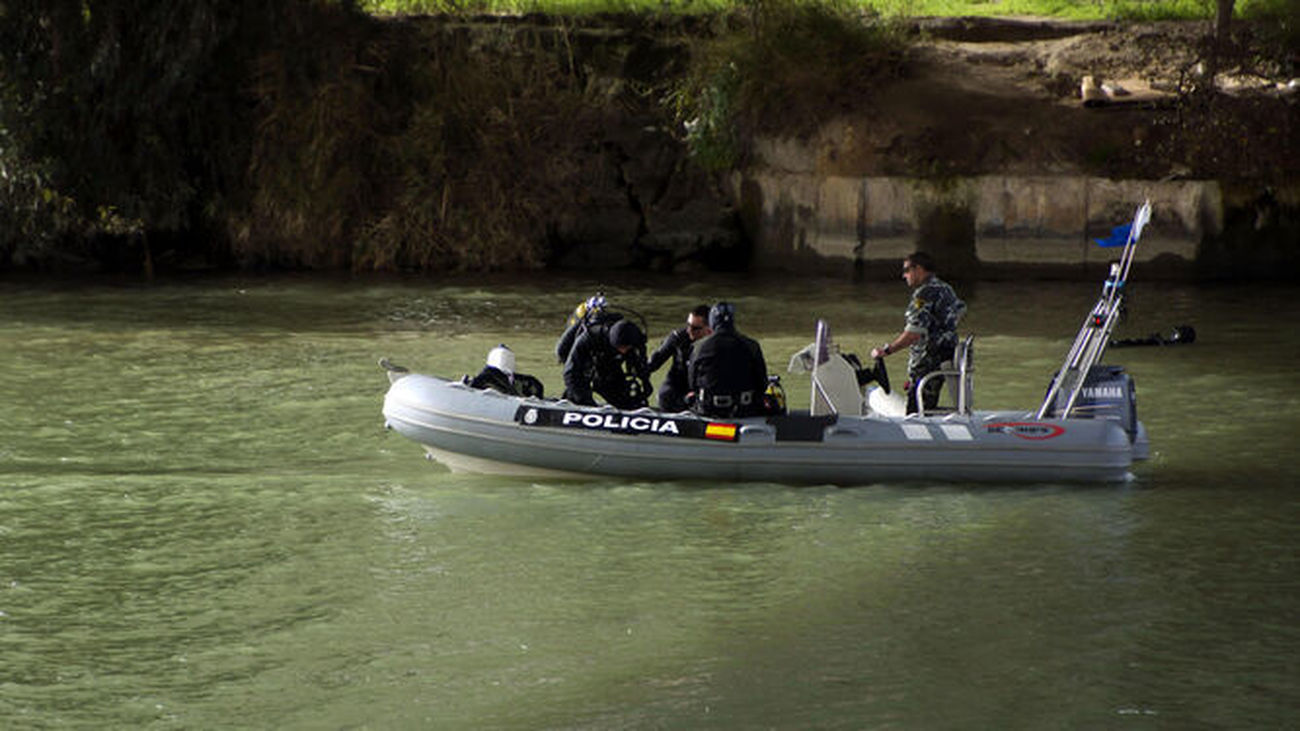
<point x="778" y="74"/>
<point x="305" y="133"/>
<point x="122" y="121"/>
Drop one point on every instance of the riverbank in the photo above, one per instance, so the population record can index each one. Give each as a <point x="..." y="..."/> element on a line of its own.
<point x="995" y="151"/>
<point x="437" y="144"/>
<point x="974" y="141"/>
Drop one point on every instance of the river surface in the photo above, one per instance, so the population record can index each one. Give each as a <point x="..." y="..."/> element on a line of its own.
<point x="203" y="524"/>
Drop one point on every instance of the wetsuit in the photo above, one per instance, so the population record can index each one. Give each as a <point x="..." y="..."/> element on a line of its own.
<point x="520" y="384"/>
<point x="594" y="365"/>
<point x="677" y="347"/>
<point x="728" y="375"/>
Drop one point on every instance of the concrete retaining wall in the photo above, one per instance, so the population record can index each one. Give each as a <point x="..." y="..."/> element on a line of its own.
<point x="801" y="219"/>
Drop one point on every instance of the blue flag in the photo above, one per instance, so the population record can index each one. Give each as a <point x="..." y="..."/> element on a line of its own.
<point x="1118" y="236"/>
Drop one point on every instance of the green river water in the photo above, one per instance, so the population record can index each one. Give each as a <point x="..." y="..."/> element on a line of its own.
<point x="203" y="524"/>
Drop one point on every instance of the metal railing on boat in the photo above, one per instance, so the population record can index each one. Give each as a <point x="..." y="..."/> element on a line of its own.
<point x="960" y="368"/>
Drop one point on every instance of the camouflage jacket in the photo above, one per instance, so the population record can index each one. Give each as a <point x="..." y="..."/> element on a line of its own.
<point x="933" y="314"/>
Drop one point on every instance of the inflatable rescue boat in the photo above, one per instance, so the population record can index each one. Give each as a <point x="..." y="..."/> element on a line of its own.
<point x="1086" y="429"/>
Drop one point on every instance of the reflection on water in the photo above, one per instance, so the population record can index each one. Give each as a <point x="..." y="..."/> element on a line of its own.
<point x="204" y="525"/>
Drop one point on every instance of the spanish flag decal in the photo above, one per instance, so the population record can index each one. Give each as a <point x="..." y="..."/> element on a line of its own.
<point x="723" y="432"/>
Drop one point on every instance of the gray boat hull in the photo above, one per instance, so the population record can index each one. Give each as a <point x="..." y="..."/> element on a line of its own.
<point x="486" y="431"/>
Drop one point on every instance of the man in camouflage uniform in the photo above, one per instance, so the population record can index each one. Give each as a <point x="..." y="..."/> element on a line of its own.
<point x="930" y="330"/>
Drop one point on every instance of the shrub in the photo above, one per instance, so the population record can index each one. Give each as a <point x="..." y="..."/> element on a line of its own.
<point x="778" y="70"/>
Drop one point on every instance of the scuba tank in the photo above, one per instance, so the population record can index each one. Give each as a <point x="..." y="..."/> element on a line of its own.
<point x="774" y="396"/>
<point x="589" y="313"/>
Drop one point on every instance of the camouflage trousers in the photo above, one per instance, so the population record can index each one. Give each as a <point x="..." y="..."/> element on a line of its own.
<point x="930" y="396"/>
<point x="930" y="364"/>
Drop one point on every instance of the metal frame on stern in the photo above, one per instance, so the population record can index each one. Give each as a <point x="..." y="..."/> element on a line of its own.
<point x="1094" y="336"/>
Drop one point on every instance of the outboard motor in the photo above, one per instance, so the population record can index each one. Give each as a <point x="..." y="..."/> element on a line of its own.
<point x="1084" y="388"/>
<point x="1108" y="393"/>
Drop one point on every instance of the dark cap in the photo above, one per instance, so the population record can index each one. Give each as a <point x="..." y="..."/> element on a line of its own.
<point x="625" y="332"/>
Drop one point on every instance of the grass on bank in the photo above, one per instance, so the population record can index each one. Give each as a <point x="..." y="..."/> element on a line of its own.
<point x="1065" y="9"/>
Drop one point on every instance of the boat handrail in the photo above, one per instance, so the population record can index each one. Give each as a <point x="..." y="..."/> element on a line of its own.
<point x="960" y="368"/>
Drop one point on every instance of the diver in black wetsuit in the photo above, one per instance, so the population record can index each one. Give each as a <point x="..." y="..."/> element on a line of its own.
<point x="609" y="360"/>
<point x="677" y="347"/>
<point x="499" y="375"/>
<point x="1181" y="335"/>
<point x="727" y="373"/>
